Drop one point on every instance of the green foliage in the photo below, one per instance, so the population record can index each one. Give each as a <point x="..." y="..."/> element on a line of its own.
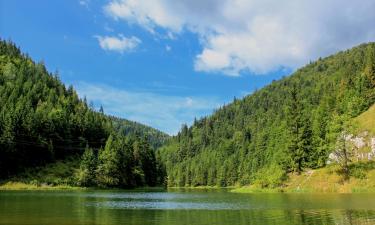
<point x="126" y="162"/>
<point x="366" y="121"/>
<point x="60" y="172"/>
<point x="340" y="127"/>
<point x="133" y="129"/>
<point x="360" y="169"/>
<point x="86" y="175"/>
<point x="42" y="121"/>
<point x="270" y="177"/>
<point x="286" y="125"/>
<point x="111" y="168"/>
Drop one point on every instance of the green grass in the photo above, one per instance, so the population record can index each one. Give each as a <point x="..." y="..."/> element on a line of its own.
<point x="12" y="185"/>
<point x="366" y="121"/>
<point x="324" y="180"/>
<point x="255" y="189"/>
<point x="199" y="187"/>
<point x="57" y="175"/>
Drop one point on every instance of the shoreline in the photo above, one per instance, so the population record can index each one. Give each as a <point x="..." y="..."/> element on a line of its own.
<point x="322" y="180"/>
<point x="22" y="186"/>
<point x="340" y="189"/>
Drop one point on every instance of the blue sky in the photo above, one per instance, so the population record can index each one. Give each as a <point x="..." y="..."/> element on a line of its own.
<point x="164" y="62"/>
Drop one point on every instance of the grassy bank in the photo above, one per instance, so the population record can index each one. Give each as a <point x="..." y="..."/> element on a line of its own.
<point x="54" y="176"/>
<point x="324" y="180"/>
<point x="199" y="188"/>
<point x="366" y="121"/>
<point x="60" y="176"/>
<point x="12" y="185"/>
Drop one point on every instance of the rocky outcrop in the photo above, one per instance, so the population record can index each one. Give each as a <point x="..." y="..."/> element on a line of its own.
<point x="361" y="147"/>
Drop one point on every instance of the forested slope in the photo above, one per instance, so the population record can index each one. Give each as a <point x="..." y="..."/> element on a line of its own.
<point x="132" y="128"/>
<point x="366" y="121"/>
<point x="286" y="126"/>
<point x="42" y="121"/>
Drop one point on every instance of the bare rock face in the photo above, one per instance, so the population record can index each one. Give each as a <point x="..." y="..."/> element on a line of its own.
<point x="362" y="147"/>
<point x="358" y="142"/>
<point x="332" y="158"/>
<point x="373" y="147"/>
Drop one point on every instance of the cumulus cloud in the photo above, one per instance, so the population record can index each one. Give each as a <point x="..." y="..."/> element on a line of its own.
<point x="255" y="35"/>
<point x="119" y="44"/>
<point x="164" y="112"/>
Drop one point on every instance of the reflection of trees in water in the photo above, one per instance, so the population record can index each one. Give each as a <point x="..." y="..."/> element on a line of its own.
<point x="355" y="217"/>
<point x="328" y="217"/>
<point x="349" y="216"/>
<point x="313" y="217"/>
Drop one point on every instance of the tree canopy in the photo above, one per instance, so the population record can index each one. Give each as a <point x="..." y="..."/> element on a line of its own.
<point x="42" y="120"/>
<point x="280" y="128"/>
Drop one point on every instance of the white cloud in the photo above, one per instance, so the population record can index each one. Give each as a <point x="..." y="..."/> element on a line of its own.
<point x="119" y="44"/>
<point x="84" y="3"/>
<point x="211" y="60"/>
<point x="145" y="13"/>
<point x="256" y="35"/>
<point x="166" y="113"/>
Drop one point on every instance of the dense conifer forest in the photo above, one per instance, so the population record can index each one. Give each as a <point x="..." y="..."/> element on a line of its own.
<point x="42" y="121"/>
<point x="288" y="126"/>
<point x="132" y="128"/>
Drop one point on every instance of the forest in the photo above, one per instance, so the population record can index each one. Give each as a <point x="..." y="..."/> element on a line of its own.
<point x="42" y="121"/>
<point x="288" y="126"/>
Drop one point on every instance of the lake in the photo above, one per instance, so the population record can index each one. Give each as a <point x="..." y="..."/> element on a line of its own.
<point x="182" y="207"/>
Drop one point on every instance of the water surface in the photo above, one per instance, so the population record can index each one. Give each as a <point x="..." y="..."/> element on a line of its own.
<point x="183" y="207"/>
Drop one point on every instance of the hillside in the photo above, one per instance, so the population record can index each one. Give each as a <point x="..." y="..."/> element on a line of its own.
<point x="324" y="180"/>
<point x="366" y="121"/>
<point x="132" y="128"/>
<point x="43" y="122"/>
<point x="288" y="126"/>
<point x="40" y="119"/>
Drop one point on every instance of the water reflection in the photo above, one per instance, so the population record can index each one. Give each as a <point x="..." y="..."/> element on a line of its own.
<point x="172" y="208"/>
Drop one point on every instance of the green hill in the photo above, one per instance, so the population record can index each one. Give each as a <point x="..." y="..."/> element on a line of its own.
<point x="290" y="125"/>
<point x="366" y="121"/>
<point x="132" y="128"/>
<point x="40" y="119"/>
<point x="43" y="122"/>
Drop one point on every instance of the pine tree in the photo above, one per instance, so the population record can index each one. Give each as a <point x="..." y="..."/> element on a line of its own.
<point x="87" y="171"/>
<point x="297" y="149"/>
<point x="108" y="172"/>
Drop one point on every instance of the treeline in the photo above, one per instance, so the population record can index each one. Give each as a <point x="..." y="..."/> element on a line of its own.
<point x="289" y="125"/>
<point x="131" y="128"/>
<point x="42" y="121"/>
<point x="123" y="162"/>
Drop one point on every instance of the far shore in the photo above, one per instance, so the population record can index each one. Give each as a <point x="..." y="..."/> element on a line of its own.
<point x="323" y="180"/>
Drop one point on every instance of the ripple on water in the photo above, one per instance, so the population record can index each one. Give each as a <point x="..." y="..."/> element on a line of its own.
<point x="165" y="205"/>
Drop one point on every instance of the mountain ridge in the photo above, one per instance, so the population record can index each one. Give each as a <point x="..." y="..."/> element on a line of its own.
<point x="285" y="126"/>
<point x="42" y="121"/>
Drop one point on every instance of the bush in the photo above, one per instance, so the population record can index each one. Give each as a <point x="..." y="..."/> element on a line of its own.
<point x="270" y="177"/>
<point x="359" y="169"/>
<point x="357" y="173"/>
